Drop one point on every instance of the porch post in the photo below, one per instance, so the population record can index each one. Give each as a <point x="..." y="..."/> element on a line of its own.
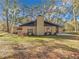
<point x="57" y="30"/>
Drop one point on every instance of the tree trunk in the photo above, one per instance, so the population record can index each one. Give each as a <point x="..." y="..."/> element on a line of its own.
<point x="13" y="23"/>
<point x="6" y="10"/>
<point x="7" y="20"/>
<point x="74" y="18"/>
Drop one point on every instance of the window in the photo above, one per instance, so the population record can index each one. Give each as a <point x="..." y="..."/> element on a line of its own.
<point x="48" y="29"/>
<point x="30" y="30"/>
<point x="19" y="28"/>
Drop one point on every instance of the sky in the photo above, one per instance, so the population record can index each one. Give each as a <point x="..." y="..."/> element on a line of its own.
<point x="31" y="3"/>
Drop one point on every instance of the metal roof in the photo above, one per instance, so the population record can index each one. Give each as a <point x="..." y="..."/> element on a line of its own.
<point x="46" y="23"/>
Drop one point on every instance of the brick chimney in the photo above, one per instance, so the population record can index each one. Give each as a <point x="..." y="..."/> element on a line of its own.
<point x="40" y="25"/>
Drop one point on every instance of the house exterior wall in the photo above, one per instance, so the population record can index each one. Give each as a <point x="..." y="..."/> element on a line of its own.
<point x="51" y="29"/>
<point x="26" y="28"/>
<point x="61" y="30"/>
<point x="47" y="29"/>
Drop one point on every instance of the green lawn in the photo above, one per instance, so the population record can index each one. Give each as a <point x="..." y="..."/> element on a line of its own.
<point x="68" y="40"/>
<point x="74" y="33"/>
<point x="62" y="45"/>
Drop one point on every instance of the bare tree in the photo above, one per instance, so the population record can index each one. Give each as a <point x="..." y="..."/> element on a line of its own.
<point x="6" y="9"/>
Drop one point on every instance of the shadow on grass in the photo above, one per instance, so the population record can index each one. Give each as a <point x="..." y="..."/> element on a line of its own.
<point x="23" y="53"/>
<point x="57" y="37"/>
<point x="56" y="45"/>
<point x="2" y="35"/>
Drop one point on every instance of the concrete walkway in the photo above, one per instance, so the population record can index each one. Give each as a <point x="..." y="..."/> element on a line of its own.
<point x="67" y="34"/>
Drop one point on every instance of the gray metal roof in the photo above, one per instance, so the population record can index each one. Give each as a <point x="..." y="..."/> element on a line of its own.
<point x="46" y="23"/>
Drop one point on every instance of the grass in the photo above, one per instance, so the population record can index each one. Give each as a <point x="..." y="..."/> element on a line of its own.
<point x="68" y="40"/>
<point x="74" y="33"/>
<point x="55" y="43"/>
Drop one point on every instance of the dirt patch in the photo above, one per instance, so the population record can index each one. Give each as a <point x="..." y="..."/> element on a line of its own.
<point x="44" y="51"/>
